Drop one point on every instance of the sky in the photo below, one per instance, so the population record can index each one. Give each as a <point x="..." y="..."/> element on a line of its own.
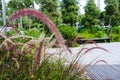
<point x="7" y="1"/>
<point x="83" y="3"/>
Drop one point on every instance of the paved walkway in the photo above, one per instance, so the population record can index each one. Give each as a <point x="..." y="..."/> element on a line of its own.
<point x="94" y="55"/>
<point x="104" y="72"/>
<point x="105" y="64"/>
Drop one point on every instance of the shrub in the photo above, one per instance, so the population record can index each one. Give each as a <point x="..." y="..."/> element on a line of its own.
<point x="27" y="61"/>
<point x="115" y="35"/>
<point x="85" y="33"/>
<point x="100" y="34"/>
<point x="96" y="33"/>
<point x="116" y="30"/>
<point x="68" y="32"/>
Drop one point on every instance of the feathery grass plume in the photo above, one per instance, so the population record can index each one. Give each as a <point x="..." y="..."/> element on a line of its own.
<point x="7" y="39"/>
<point x="37" y="57"/>
<point x="21" y="37"/>
<point x="13" y="27"/>
<point x="76" y="39"/>
<point x="44" y="19"/>
<point x="100" y="61"/>
<point x="16" y="61"/>
<point x="96" y="48"/>
<point x="83" y="46"/>
<point x="7" y="43"/>
<point x="28" y="47"/>
<point x="90" y="41"/>
<point x="89" y="49"/>
<point x="86" y="50"/>
<point x="1" y="39"/>
<point x="79" y="53"/>
<point x="85" y="43"/>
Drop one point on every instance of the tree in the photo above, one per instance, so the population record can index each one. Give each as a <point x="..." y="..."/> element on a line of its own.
<point x="69" y="9"/>
<point x="108" y="1"/>
<point x="1" y="13"/>
<point x="19" y="4"/>
<point x="119" y="4"/>
<point x="112" y="15"/>
<point x="51" y="9"/>
<point x="0" y="4"/>
<point x="92" y="14"/>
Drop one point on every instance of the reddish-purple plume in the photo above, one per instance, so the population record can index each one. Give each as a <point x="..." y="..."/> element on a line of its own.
<point x="37" y="57"/>
<point x="101" y="61"/>
<point x="44" y="19"/>
<point x="90" y="41"/>
<point x="12" y="26"/>
<point x="96" y="48"/>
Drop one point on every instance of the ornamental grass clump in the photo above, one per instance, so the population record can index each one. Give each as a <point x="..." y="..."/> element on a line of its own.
<point x="23" y="57"/>
<point x="29" y="60"/>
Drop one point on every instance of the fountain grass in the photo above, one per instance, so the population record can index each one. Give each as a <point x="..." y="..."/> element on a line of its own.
<point x="23" y="57"/>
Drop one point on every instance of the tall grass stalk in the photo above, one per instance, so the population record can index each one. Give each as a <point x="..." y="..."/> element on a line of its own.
<point x="44" y="19"/>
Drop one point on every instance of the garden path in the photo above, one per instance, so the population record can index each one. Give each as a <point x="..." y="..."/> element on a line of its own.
<point x="94" y="55"/>
<point x="105" y="65"/>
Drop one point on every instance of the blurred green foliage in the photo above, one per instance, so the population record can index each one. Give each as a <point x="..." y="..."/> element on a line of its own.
<point x="69" y="10"/>
<point x="68" y="33"/>
<point x="91" y="16"/>
<point x="95" y="33"/>
<point x="115" y="35"/>
<point x="34" y="32"/>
